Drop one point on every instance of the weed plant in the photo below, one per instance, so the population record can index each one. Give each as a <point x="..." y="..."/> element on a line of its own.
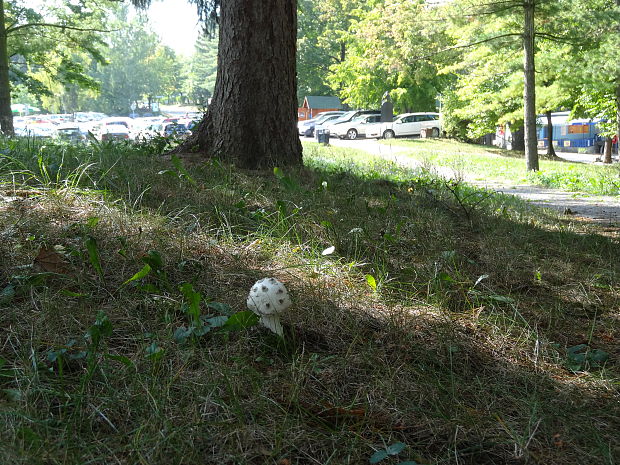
<point x="431" y="324"/>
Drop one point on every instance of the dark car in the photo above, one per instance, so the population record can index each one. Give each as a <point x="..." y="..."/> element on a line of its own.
<point x="175" y="130"/>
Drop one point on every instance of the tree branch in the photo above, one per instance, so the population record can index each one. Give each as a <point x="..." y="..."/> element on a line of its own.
<point x="471" y="44"/>
<point x="57" y="26"/>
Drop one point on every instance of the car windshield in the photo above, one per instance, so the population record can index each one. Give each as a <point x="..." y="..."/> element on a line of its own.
<point x="322" y="119"/>
<point x="346" y="117"/>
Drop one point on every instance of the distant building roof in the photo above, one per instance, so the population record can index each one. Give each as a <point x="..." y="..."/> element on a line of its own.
<point x="320" y="102"/>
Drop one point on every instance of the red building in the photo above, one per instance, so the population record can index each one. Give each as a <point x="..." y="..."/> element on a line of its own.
<point x="313" y="105"/>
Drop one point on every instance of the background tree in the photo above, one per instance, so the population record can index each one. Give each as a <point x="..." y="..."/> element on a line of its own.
<point x="201" y="71"/>
<point x="47" y="42"/>
<point x="324" y="38"/>
<point x="390" y="48"/>
<point x="137" y="68"/>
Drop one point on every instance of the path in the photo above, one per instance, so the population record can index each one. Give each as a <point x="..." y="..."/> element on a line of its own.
<point x="600" y="209"/>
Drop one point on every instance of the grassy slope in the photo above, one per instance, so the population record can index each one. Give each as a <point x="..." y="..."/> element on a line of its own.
<point x="459" y="352"/>
<point x="484" y="163"/>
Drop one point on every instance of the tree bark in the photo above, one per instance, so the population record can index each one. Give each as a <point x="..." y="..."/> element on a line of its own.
<point x="550" y="149"/>
<point x="529" y="88"/>
<point x="6" y="115"/>
<point x="607" y="150"/>
<point x="252" y="119"/>
<point x="618" y="111"/>
<point x="518" y="139"/>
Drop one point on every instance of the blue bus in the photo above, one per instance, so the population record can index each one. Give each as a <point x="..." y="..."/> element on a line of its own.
<point x="570" y="135"/>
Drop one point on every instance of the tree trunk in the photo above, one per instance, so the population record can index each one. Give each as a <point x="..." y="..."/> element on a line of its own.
<point x="618" y="99"/>
<point x="518" y="139"/>
<point x="6" y="115"/>
<point x="618" y="112"/>
<point x="607" y="150"/>
<point x="529" y="89"/>
<point x="550" y="149"/>
<point x="252" y="119"/>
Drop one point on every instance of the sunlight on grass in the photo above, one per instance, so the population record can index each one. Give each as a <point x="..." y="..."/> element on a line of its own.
<point x="489" y="163"/>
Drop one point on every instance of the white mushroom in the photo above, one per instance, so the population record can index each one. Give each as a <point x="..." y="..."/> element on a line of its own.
<point x="269" y="299"/>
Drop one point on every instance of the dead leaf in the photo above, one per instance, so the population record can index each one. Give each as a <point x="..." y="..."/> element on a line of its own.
<point x="51" y="261"/>
<point x="284" y="462"/>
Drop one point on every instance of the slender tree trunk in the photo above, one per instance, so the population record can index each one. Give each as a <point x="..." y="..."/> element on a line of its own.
<point x="6" y="115"/>
<point x="550" y="149"/>
<point x="618" y="99"/>
<point x="518" y="139"/>
<point x="251" y="121"/>
<point x="529" y="89"/>
<point x="618" y="112"/>
<point x="607" y="150"/>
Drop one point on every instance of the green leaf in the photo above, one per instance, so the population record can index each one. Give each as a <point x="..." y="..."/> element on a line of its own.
<point x="598" y="355"/>
<point x="12" y="395"/>
<point x="92" y="221"/>
<point x="154" y="352"/>
<point x="101" y="328"/>
<point x="154" y="260"/>
<point x="371" y="282"/>
<point x="241" y="320"/>
<point x="396" y="448"/>
<point x="217" y="321"/>
<point x="176" y="162"/>
<point x="193" y="300"/>
<point x="501" y="298"/>
<point x="201" y="330"/>
<point x="378" y="456"/>
<point x="222" y="309"/>
<point x="408" y="462"/>
<point x="182" y="333"/>
<point x="146" y="269"/>
<point x="443" y="276"/>
<point x="7" y="294"/>
<point x="93" y="255"/>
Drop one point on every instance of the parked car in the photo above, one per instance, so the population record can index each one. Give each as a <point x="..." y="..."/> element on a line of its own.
<point x="38" y="130"/>
<point x="407" y="124"/>
<point x="175" y="130"/>
<point x="332" y="126"/>
<point x="70" y="133"/>
<point x="355" y="128"/>
<point x="111" y="125"/>
<point x="114" y="132"/>
<point x="306" y="128"/>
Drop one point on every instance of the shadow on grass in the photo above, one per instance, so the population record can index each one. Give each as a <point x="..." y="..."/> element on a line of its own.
<point x="451" y="354"/>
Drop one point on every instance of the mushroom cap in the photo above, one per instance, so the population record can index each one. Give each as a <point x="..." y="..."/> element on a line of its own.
<point x="268" y="296"/>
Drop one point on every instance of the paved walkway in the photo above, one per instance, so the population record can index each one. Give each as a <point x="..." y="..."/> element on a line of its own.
<point x="600" y="209"/>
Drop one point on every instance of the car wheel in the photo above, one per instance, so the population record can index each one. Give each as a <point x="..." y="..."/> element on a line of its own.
<point x="435" y="132"/>
<point x="389" y="134"/>
<point x="351" y="134"/>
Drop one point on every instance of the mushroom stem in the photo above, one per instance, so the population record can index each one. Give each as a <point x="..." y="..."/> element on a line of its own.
<point x="272" y="322"/>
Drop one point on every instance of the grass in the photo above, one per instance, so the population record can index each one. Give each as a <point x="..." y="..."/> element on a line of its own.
<point x="485" y="163"/>
<point x="441" y="320"/>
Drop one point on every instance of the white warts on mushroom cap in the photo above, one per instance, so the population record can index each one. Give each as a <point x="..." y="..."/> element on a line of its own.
<point x="269" y="298"/>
